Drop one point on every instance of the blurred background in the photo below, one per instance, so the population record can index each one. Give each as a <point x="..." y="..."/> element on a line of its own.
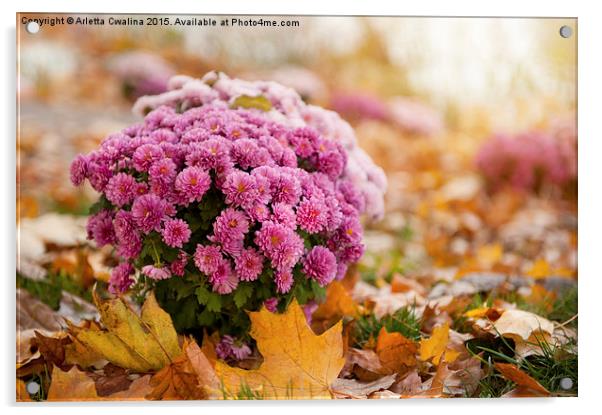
<point x="473" y="120"/>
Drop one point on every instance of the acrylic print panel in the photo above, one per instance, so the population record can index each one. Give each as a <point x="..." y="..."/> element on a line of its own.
<point x="284" y="207"/>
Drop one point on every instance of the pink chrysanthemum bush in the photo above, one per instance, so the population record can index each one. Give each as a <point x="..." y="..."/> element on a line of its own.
<point x="528" y="161"/>
<point x="230" y="195"/>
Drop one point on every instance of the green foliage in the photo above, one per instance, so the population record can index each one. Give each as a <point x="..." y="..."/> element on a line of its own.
<point x="549" y="369"/>
<point x="50" y="290"/>
<point x="101" y="204"/>
<point x="404" y="321"/>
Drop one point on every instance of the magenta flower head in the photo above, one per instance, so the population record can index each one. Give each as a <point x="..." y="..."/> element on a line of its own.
<point x="271" y="304"/>
<point x="207" y="258"/>
<point x="100" y="228"/>
<point x="191" y="184"/>
<point x="79" y="169"/>
<point x="312" y="215"/>
<point x="240" y="188"/>
<point x="146" y="155"/>
<point x="148" y="211"/>
<point x="175" y="232"/>
<point x="121" y="278"/>
<point x="249" y="264"/>
<point x="121" y="189"/>
<point x="156" y="273"/>
<point x="320" y="265"/>
<point x="223" y="207"/>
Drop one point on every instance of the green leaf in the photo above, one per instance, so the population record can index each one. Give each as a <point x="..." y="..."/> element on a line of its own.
<point x="102" y="204"/>
<point x="259" y="102"/>
<point x="214" y="303"/>
<point x="206" y="318"/>
<point x="242" y="294"/>
<point x="318" y="291"/>
<point x="202" y="294"/>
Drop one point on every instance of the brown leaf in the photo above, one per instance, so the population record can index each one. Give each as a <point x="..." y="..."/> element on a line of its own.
<point x="364" y="364"/>
<point x="113" y="379"/>
<point x="351" y="388"/>
<point x="34" y="314"/>
<point x="177" y="381"/>
<point x="526" y="385"/>
<point x="397" y="354"/>
<point x="137" y="391"/>
<point x="410" y="385"/>
<point x="73" y="385"/>
<point x="52" y="348"/>
<point x="203" y="368"/>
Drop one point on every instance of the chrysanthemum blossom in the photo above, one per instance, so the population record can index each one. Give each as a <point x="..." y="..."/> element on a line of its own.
<point x="320" y="265"/>
<point x="175" y="232"/>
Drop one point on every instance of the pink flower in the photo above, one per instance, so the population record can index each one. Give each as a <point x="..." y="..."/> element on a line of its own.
<point x="249" y="264"/>
<point x="271" y="304"/>
<point x="284" y="214"/>
<point x="192" y="183"/>
<point x="175" y="232"/>
<point x="156" y="273"/>
<point x="146" y="155"/>
<point x="121" y="279"/>
<point x="320" y="264"/>
<point x="312" y="215"/>
<point x="178" y="267"/>
<point x="121" y="189"/>
<point x="223" y="280"/>
<point x="207" y="258"/>
<point x="284" y="281"/>
<point x="286" y="189"/>
<point x="240" y="188"/>
<point x="79" y="169"/>
<point x="100" y="228"/>
<point x="162" y="174"/>
<point x="148" y="211"/>
<point x="229" y="230"/>
<point x="279" y="244"/>
<point x="229" y="348"/>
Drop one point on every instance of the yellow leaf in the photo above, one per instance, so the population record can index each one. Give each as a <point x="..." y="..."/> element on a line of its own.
<point x="490" y="254"/>
<point x="540" y="269"/>
<point x="396" y="353"/>
<point x="144" y="343"/>
<point x="435" y="346"/>
<point x="338" y="303"/>
<point x="477" y="312"/>
<point x="73" y="385"/>
<point x="297" y="364"/>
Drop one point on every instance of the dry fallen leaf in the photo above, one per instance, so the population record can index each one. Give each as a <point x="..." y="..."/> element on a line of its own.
<point x="351" y="388"/>
<point x="338" y="303"/>
<point x="435" y="347"/>
<point x="178" y="380"/>
<point x="73" y="385"/>
<point x="526" y="385"/>
<point x="141" y="343"/>
<point x="527" y="330"/>
<point x="397" y="354"/>
<point x="137" y="391"/>
<point x="297" y="363"/>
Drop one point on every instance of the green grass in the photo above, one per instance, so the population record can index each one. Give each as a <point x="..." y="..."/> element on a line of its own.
<point x="549" y="369"/>
<point x="50" y="290"/>
<point x="404" y="321"/>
